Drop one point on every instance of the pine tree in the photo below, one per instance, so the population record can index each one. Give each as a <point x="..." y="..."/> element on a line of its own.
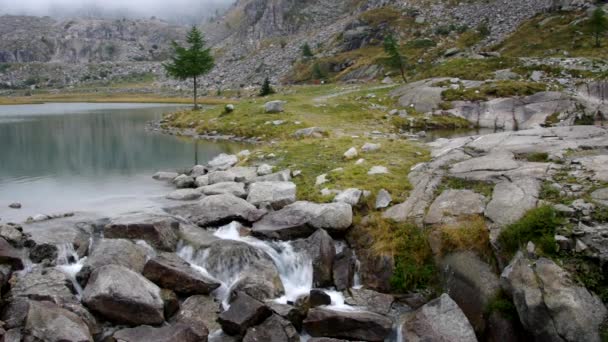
<point x="192" y="61"/>
<point x="599" y="25"/>
<point x="307" y="51"/>
<point x="391" y="47"/>
<point x="266" y="88"/>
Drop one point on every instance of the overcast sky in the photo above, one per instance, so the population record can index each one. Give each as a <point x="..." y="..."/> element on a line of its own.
<point x="167" y="9"/>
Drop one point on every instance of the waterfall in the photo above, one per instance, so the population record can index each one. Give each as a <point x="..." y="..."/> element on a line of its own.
<point x="70" y="263"/>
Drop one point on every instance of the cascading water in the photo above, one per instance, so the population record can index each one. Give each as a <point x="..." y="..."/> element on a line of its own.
<point x="70" y="263"/>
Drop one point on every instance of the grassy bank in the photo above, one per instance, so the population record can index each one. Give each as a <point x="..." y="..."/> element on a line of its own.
<point x="102" y="97"/>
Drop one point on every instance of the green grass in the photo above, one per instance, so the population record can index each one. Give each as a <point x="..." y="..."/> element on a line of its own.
<point x="495" y="89"/>
<point x="466" y="68"/>
<point x="535" y="157"/>
<point x="537" y="225"/>
<point x="470" y="234"/>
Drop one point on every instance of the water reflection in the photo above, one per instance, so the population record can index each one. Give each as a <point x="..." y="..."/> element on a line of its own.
<point x="56" y="150"/>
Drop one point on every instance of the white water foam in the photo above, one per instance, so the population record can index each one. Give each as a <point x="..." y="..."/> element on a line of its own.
<point x="70" y="263"/>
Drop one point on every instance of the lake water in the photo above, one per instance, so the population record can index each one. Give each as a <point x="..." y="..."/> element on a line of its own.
<point x="65" y="157"/>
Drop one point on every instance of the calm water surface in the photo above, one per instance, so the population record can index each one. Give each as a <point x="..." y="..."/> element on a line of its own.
<point x="60" y="157"/>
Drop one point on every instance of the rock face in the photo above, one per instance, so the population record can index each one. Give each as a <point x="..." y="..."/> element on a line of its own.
<point x="123" y="296"/>
<point x="301" y="219"/>
<point x="244" y="313"/>
<point x="438" y="320"/>
<point x="159" y="232"/>
<point x="274" y="328"/>
<point x="550" y="305"/>
<point x="48" y="322"/>
<point x="422" y="95"/>
<point x="170" y="333"/>
<point x="169" y="271"/>
<point x="366" y="326"/>
<point x="452" y="204"/>
<point x="344" y="269"/>
<point x="511" y="200"/>
<point x="254" y="271"/>
<point x="276" y="194"/>
<point x="222" y="209"/>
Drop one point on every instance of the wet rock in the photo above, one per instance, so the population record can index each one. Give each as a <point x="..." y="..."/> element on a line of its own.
<point x="511" y="200"/>
<point x="184" y="195"/>
<point x="370" y="300"/>
<point x="47" y="284"/>
<point x="123" y="296"/>
<point x="273" y="329"/>
<point x="244" y="312"/>
<point x="258" y="276"/>
<point x="318" y="298"/>
<point x="277" y="194"/>
<point x="383" y="199"/>
<point x="472" y="284"/>
<point x="10" y="255"/>
<point x="438" y="320"/>
<point x="159" y="232"/>
<point x="48" y="322"/>
<point x="349" y="196"/>
<point x="228" y="188"/>
<point x="221" y="209"/>
<point x="199" y="312"/>
<point x="274" y="106"/>
<point x="301" y="219"/>
<point x="344" y="269"/>
<point x="171" y="302"/>
<point x="113" y="252"/>
<point x="196" y="237"/>
<point x="42" y="252"/>
<point x="184" y="182"/>
<point x="291" y="313"/>
<point x="169" y="333"/>
<point x="375" y="269"/>
<point x="550" y="305"/>
<point x="454" y="204"/>
<point x="321" y="250"/>
<point x="351" y="325"/>
<point x="169" y="271"/>
<point x="165" y="176"/>
<point x="223" y="162"/>
<point x="15" y="205"/>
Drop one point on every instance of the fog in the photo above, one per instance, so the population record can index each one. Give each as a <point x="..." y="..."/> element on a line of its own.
<point x="181" y="11"/>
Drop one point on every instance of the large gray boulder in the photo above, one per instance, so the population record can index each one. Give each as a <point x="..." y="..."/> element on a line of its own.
<point x="274" y="106"/>
<point x="49" y="322"/>
<point x="373" y="301"/>
<point x="276" y="194"/>
<point x="512" y="199"/>
<point x="550" y="304"/>
<point x="169" y="333"/>
<point x="275" y="328"/>
<point x="254" y="271"/>
<point x="452" y="205"/>
<point x="123" y="296"/>
<point x="423" y="95"/>
<point x="184" y="195"/>
<point x="48" y="284"/>
<point x="223" y="162"/>
<point x="229" y="188"/>
<point x="10" y="255"/>
<point x="301" y="219"/>
<point x="159" y="232"/>
<point x="350" y="325"/>
<point x="169" y="271"/>
<point x="344" y="269"/>
<point x="438" y="320"/>
<point x="114" y="252"/>
<point x="244" y="312"/>
<point x="184" y="182"/>
<point x="217" y="210"/>
<point x="321" y="250"/>
<point x="199" y="312"/>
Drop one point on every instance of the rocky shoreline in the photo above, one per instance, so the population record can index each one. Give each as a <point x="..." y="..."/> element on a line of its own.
<point x="238" y="257"/>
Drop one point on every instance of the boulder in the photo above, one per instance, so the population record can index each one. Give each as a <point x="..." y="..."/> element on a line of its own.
<point x="351" y="153"/>
<point x="184" y="195"/>
<point x="169" y="333"/>
<point x="472" y="284"/>
<point x="344" y="269"/>
<point x="165" y="176"/>
<point x="47" y="321"/>
<point x="274" y="106"/>
<point x="225" y="188"/>
<point x="275" y="328"/>
<point x="600" y="196"/>
<point x="351" y="325"/>
<point x="114" y="252"/>
<point x="123" y="296"/>
<point x="597" y="165"/>
<point x="197" y="171"/>
<point x="293" y="314"/>
<point x="171" y="302"/>
<point x="10" y="255"/>
<point x="438" y="320"/>
<point x="196" y="237"/>
<point x="183" y="182"/>
<point x="301" y="219"/>
<point x="47" y="284"/>
<point x="321" y="250"/>
<point x="223" y="162"/>
<point x="217" y="210"/>
<point x="277" y="194"/>
<point x="452" y="205"/>
<point x="378" y="170"/>
<point x="370" y="300"/>
<point x="369" y="147"/>
<point x="169" y="271"/>
<point x="512" y="199"/>
<point x="423" y="95"/>
<point x="281" y="176"/>
<point x="159" y="232"/>
<point x="245" y="268"/>
<point x="199" y="312"/>
<point x="550" y="304"/>
<point x="264" y="169"/>
<point x="383" y="199"/>
<point x="318" y="298"/>
<point x="220" y="177"/>
<point x="12" y="234"/>
<point x="310" y="132"/>
<point x="244" y="312"/>
<point x="201" y="181"/>
<point x="350" y="196"/>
